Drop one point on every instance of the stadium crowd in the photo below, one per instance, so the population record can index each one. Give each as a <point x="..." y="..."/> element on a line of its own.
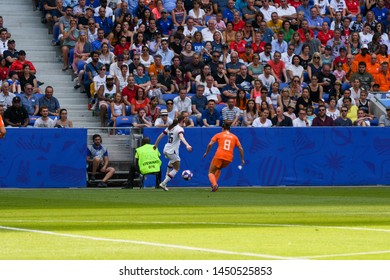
<point x="244" y="62"/>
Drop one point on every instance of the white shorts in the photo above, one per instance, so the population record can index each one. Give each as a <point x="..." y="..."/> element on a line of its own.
<point x="172" y="158"/>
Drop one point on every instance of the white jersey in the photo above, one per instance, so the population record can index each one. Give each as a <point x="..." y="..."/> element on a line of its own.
<point x="173" y="144"/>
<point x="109" y="93"/>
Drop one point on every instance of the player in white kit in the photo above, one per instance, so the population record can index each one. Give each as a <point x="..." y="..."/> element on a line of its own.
<point x="175" y="133"/>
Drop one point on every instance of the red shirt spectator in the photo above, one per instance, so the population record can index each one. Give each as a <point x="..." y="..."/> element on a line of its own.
<point x="3" y="70"/>
<point x="301" y="33"/>
<point x="277" y="67"/>
<point x="119" y="48"/>
<point x="352" y="6"/>
<point x="294" y="3"/>
<point x="17" y="65"/>
<point x="129" y="91"/>
<point x="238" y="47"/>
<point x="325" y="37"/>
<point x="258" y="48"/>
<point x="239" y="25"/>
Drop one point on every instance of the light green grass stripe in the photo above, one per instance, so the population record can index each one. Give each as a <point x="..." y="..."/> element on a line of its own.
<point x="147" y="243"/>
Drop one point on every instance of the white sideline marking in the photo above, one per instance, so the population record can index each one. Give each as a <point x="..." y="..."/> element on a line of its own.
<point x="205" y="223"/>
<point x="147" y="243"/>
<point x="345" y="255"/>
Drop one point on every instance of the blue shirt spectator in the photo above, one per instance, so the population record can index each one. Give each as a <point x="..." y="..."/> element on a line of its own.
<point x="141" y="80"/>
<point x="132" y="5"/>
<point x="211" y="118"/>
<point x="166" y="56"/>
<point x="50" y="102"/>
<point x="279" y="47"/>
<point x="380" y="14"/>
<point x="228" y="12"/>
<point x="221" y="4"/>
<point x="240" y="4"/>
<point x="105" y="23"/>
<point x="305" y="8"/>
<point x="268" y="35"/>
<point x="94" y="3"/>
<point x="165" y="24"/>
<point x="30" y="102"/>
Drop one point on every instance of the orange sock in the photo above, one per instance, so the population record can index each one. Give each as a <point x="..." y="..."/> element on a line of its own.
<point x="212" y="179"/>
<point x="217" y="174"/>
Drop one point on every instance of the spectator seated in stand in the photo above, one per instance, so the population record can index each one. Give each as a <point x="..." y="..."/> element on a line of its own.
<point x="50" y="102"/>
<point x="44" y="121"/>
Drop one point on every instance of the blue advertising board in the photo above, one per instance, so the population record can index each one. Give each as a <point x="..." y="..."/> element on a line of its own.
<point x="331" y="156"/>
<point x="43" y="158"/>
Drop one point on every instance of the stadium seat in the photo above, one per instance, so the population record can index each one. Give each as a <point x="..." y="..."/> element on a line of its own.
<point x="32" y="120"/>
<point x="169" y="96"/>
<point x="126" y="121"/>
<point x="193" y="118"/>
<point x="219" y="107"/>
<point x="162" y="107"/>
<point x="325" y="96"/>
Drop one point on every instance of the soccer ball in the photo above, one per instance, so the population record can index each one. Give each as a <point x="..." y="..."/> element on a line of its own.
<point x="187" y="175"/>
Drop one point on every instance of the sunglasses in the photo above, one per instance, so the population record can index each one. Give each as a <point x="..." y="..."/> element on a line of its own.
<point x="321" y="110"/>
<point x="103" y="69"/>
<point x="169" y="103"/>
<point x="344" y="111"/>
<point x="316" y="57"/>
<point x="296" y="81"/>
<point x="291" y="49"/>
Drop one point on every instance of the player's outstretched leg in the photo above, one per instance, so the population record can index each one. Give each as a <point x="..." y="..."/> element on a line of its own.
<point x="170" y="175"/>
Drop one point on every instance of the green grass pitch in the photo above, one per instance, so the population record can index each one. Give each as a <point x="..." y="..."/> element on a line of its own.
<point x="195" y="224"/>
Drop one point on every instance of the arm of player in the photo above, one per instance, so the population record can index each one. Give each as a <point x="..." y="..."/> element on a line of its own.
<point x="2" y="131"/>
<point x="208" y="148"/>
<point x="188" y="146"/>
<point x="241" y="155"/>
<point x="158" y="140"/>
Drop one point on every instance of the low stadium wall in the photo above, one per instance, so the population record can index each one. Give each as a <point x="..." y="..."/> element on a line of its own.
<point x="43" y="158"/>
<point x="55" y="158"/>
<point x="290" y="157"/>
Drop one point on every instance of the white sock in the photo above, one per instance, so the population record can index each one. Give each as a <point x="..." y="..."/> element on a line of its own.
<point x="170" y="176"/>
<point x="169" y="168"/>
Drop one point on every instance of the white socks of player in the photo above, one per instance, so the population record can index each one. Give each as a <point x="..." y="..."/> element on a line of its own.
<point x="170" y="176"/>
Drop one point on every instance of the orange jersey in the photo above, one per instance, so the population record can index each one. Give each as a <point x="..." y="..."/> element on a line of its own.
<point x="360" y="58"/>
<point x="382" y="58"/>
<point x="383" y="80"/>
<point x="226" y="143"/>
<point x="1" y="121"/>
<point x="373" y="69"/>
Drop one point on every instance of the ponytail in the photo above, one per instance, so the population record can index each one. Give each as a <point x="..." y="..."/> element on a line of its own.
<point x="176" y="122"/>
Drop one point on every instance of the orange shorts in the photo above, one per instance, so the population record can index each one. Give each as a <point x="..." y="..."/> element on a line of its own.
<point x="220" y="163"/>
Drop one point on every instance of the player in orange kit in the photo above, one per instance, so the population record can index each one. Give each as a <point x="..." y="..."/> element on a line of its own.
<point x="2" y="128"/>
<point x="224" y="154"/>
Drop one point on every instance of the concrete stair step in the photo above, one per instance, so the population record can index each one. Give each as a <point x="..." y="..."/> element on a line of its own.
<point x="32" y="36"/>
